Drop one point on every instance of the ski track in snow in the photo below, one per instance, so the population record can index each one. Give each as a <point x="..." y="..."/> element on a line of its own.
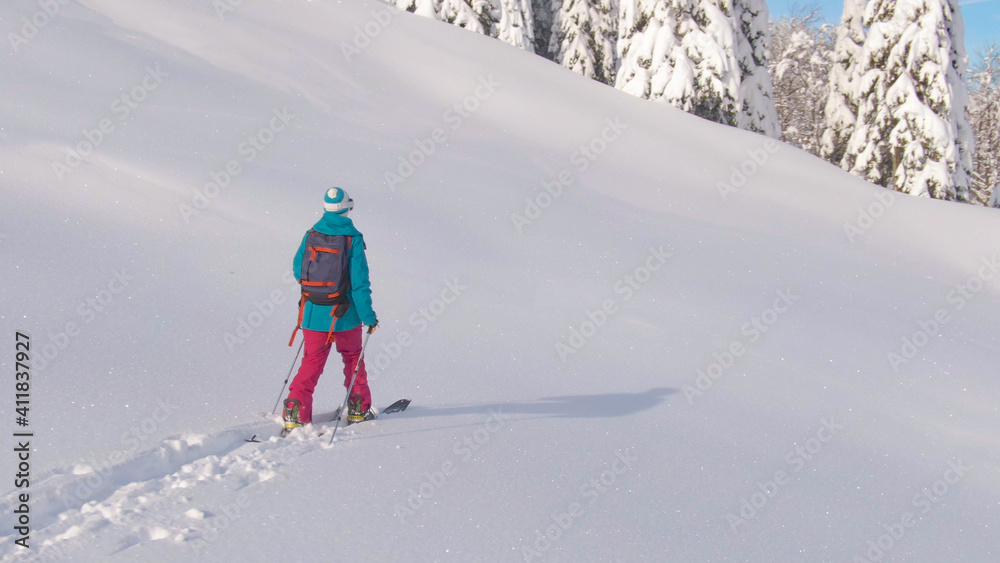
<point x="148" y="496"/>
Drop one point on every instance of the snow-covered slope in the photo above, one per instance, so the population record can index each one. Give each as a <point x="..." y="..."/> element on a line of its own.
<point x="553" y="353"/>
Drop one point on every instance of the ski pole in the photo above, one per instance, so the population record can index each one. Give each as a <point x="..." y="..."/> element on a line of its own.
<point x="275" y="409"/>
<point x="350" y="388"/>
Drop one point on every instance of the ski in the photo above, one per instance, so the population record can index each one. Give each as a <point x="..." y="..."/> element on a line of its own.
<point x="398" y="406"/>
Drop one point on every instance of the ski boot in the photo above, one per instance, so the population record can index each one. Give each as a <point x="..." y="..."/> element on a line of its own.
<point x="290" y="416"/>
<point x="354" y="412"/>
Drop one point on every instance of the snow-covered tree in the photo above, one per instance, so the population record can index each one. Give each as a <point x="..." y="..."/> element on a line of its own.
<point x="633" y="25"/>
<point x="583" y="37"/>
<point x="841" y="107"/>
<point x="425" y="8"/>
<point x="475" y="15"/>
<point x="682" y="52"/>
<point x="800" y="68"/>
<point x="515" y="25"/>
<point x="984" y="115"/>
<point x="511" y="21"/>
<point x="757" y="110"/>
<point x="707" y="57"/>
<point x="912" y="132"/>
<point x="542" y="11"/>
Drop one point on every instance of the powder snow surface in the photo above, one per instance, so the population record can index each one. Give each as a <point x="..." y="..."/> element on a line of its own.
<point x="628" y="334"/>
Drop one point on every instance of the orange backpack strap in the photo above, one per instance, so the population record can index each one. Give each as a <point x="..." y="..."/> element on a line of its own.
<point x="331" y="337"/>
<point x="298" y="325"/>
<point x="337" y="311"/>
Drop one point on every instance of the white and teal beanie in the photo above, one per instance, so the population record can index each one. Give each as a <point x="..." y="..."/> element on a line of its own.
<point x="337" y="201"/>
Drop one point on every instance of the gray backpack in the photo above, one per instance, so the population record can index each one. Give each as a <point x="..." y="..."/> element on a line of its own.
<point x="326" y="276"/>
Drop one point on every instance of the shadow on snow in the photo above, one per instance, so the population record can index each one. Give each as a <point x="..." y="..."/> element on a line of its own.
<point x="605" y="405"/>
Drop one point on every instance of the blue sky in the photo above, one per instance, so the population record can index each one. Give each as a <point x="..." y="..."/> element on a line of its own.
<point x="982" y="18"/>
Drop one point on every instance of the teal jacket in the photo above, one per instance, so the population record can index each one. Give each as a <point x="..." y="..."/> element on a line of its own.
<point x="317" y="317"/>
